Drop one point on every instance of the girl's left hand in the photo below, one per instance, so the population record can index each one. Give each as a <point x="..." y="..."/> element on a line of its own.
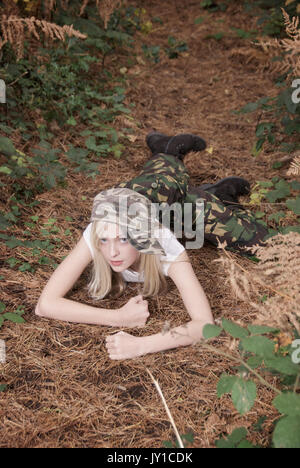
<point x="122" y="345"/>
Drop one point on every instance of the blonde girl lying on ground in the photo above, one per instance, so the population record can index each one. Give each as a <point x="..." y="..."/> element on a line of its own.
<point x="120" y="254"/>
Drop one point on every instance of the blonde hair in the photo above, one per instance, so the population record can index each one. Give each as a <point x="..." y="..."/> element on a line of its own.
<point x="104" y="280"/>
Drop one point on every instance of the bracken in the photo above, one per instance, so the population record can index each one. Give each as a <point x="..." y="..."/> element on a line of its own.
<point x="278" y="273"/>
<point x="15" y="29"/>
<point x="291" y="45"/>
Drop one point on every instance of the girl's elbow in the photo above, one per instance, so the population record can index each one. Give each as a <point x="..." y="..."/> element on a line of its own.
<point x="41" y="309"/>
<point x="38" y="311"/>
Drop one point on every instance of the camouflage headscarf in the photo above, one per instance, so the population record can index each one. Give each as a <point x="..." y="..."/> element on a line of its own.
<point x="134" y="215"/>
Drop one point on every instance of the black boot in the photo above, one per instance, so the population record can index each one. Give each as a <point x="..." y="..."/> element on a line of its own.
<point x="178" y="145"/>
<point x="228" y="190"/>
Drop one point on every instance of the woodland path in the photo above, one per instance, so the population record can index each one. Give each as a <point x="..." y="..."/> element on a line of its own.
<point x="63" y="389"/>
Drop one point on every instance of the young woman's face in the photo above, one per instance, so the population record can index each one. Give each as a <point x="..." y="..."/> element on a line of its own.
<point x="117" y="250"/>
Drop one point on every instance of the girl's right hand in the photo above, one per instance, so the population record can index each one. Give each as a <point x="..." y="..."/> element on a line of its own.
<point x="134" y="313"/>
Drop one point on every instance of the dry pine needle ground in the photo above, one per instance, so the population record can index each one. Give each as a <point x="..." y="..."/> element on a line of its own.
<point x="62" y="389"/>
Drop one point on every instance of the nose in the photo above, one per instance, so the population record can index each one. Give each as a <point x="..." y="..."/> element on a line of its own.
<point x="114" y="251"/>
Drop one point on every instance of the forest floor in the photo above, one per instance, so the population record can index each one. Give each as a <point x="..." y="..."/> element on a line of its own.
<point x="63" y="389"/>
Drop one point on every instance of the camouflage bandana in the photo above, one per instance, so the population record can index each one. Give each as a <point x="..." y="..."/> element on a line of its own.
<point x="134" y="215"/>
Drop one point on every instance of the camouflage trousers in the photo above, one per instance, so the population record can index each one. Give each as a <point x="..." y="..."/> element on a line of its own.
<point x="164" y="178"/>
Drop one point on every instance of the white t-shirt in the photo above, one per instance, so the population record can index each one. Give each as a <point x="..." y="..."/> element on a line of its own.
<point x="168" y="241"/>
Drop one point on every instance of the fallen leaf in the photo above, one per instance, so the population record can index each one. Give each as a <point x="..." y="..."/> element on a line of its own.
<point x="132" y="138"/>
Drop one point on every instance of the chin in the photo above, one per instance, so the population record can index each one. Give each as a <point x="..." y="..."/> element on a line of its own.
<point x="119" y="268"/>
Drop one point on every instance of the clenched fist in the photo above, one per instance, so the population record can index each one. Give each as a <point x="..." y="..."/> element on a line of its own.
<point x="124" y="346"/>
<point x="134" y="313"/>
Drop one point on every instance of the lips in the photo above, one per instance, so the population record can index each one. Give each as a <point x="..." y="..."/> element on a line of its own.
<point x="117" y="263"/>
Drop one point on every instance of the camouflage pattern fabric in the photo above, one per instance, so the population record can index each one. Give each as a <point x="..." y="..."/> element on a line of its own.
<point x="164" y="178"/>
<point x="134" y="215"/>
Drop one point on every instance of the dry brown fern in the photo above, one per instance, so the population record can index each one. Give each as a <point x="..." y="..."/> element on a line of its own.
<point x="278" y="274"/>
<point x="15" y="29"/>
<point x="291" y="45"/>
<point x="294" y="169"/>
<point x="105" y="8"/>
<point x="280" y="268"/>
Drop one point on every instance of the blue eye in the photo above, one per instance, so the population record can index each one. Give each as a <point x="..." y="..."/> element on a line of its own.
<point x="122" y="239"/>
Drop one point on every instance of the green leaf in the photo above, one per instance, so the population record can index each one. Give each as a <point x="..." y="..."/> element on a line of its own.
<point x="90" y="143"/>
<point x="260" y="330"/>
<point x="5" y="170"/>
<point x="13" y="317"/>
<point x="243" y="395"/>
<point x="295" y="185"/>
<point x="261" y="128"/>
<point x="211" y="331"/>
<point x="3" y="387"/>
<point x="288" y="229"/>
<point x="287" y="98"/>
<point x="25" y="267"/>
<point x="233" y="439"/>
<point x="259" y="345"/>
<point x="287" y="433"/>
<point x="188" y="437"/>
<point x="20" y="310"/>
<point x="167" y="444"/>
<point x="13" y="242"/>
<point x="225" y="384"/>
<point x="234" y="330"/>
<point x="117" y="150"/>
<point x="250" y="107"/>
<point x="276" y="216"/>
<point x="6" y="146"/>
<point x="294" y="205"/>
<point x="245" y="444"/>
<point x="288" y="403"/>
<point x="265" y="183"/>
<point x="257" y="147"/>
<point x="282" y="190"/>
<point x="4" y="223"/>
<point x="218" y="36"/>
<point x="282" y="364"/>
<point x="255" y="361"/>
<point x="77" y="154"/>
<point x="71" y="121"/>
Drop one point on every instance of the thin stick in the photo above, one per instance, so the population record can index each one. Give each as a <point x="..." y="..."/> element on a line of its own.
<point x="241" y="361"/>
<point x="21" y="76"/>
<point x="167" y="409"/>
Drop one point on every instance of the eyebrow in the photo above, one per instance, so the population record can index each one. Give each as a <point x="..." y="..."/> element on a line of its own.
<point x="117" y="237"/>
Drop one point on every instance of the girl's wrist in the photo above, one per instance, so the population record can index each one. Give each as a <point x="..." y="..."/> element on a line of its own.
<point x="147" y="344"/>
<point x="115" y="318"/>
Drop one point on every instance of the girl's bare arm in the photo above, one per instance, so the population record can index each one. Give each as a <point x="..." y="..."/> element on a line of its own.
<point x="52" y="303"/>
<point x="197" y="306"/>
<point x="125" y="346"/>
